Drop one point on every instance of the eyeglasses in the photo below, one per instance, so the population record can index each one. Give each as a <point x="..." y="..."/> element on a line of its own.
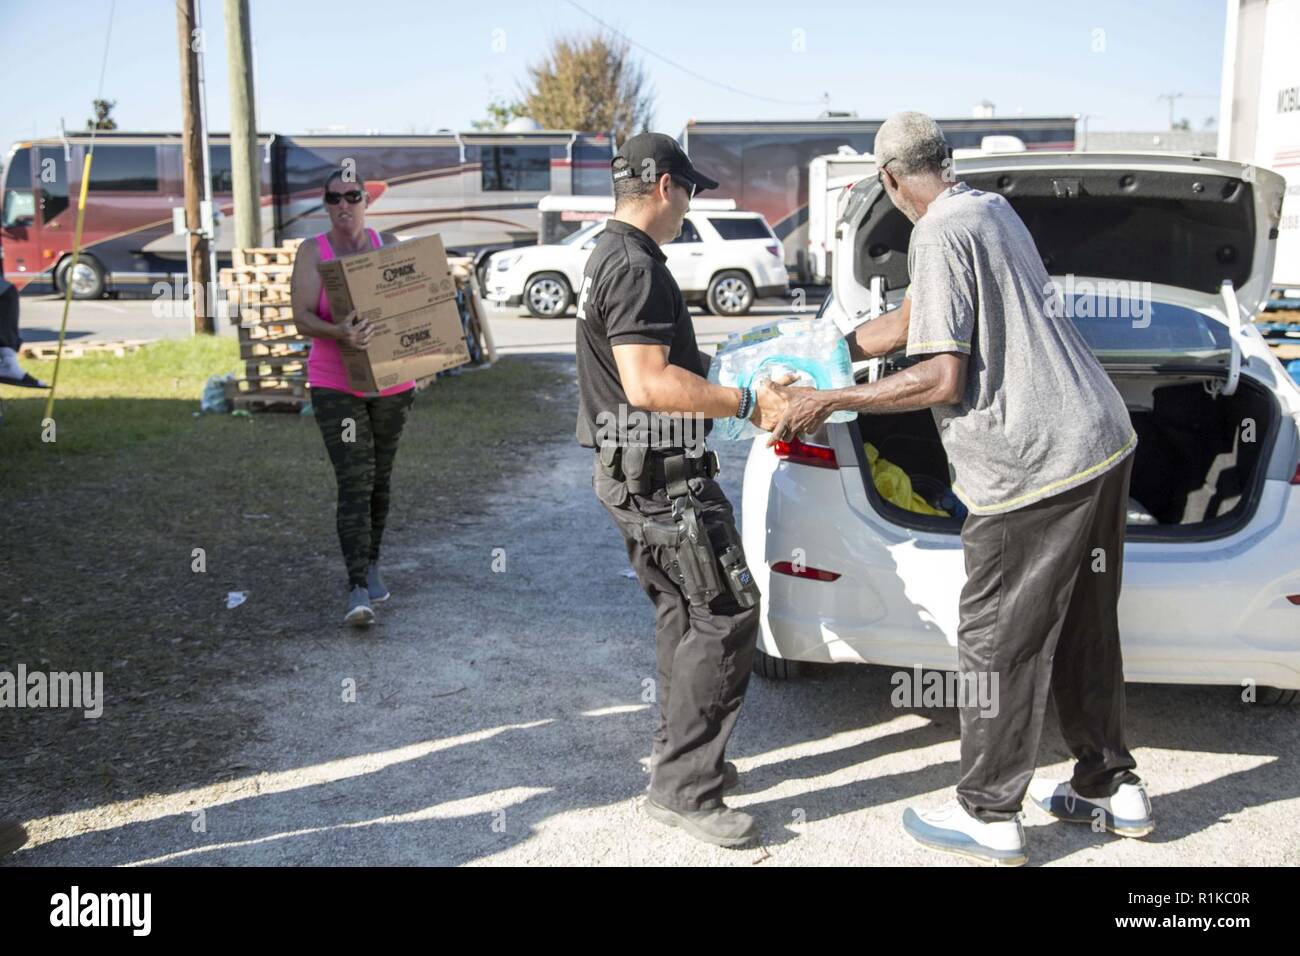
<point x="880" y="177"/>
<point x="353" y="196"/>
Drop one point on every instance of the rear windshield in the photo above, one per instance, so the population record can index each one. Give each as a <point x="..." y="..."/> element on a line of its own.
<point x="1118" y="328"/>
<point x="746" y="228"/>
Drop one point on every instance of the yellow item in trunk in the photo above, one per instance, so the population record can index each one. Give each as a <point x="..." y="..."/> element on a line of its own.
<point x="894" y="485"/>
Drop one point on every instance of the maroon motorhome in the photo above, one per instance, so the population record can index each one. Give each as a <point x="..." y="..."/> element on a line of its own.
<point x="763" y="164"/>
<point x="477" y="190"/>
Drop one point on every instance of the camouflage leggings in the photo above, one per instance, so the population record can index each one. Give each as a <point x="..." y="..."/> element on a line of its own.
<point x="361" y="436"/>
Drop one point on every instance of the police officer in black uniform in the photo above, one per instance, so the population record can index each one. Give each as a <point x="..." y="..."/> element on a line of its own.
<point x="644" y="408"/>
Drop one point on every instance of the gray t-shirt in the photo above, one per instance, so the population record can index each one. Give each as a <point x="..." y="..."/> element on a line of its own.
<point x="1039" y="415"/>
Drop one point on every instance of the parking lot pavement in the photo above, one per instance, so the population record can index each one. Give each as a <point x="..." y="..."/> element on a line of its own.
<point x="517" y="332"/>
<point x="513" y="329"/>
<point x="503" y="716"/>
<point x="99" y="320"/>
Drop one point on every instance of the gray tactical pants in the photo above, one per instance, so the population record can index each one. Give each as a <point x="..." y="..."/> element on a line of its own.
<point x="704" y="652"/>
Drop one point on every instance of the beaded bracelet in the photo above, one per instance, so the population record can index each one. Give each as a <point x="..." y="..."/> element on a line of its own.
<point x="747" y="400"/>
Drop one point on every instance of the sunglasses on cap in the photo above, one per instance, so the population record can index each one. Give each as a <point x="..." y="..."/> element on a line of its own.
<point x="353" y="196"/>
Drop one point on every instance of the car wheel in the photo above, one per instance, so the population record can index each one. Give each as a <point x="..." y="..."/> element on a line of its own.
<point x="547" y="295"/>
<point x="730" y="293"/>
<point x="774" y="668"/>
<point x="1276" y="696"/>
<point x="87" y="278"/>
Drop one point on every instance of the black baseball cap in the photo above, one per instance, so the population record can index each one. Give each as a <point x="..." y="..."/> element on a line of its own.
<point x="659" y="154"/>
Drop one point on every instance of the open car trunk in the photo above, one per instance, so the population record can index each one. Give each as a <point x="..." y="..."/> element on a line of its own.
<point x="1197" y="473"/>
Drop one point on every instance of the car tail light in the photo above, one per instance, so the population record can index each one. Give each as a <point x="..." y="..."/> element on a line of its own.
<point x="1293" y="598"/>
<point x="801" y="453"/>
<point x="1295" y="479"/>
<point x="803" y="571"/>
<point x="774" y="248"/>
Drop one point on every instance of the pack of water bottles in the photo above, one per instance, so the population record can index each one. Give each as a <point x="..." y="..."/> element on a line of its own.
<point x="812" y="350"/>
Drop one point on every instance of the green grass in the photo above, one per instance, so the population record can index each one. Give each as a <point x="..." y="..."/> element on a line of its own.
<point x="101" y="527"/>
<point x="104" y="403"/>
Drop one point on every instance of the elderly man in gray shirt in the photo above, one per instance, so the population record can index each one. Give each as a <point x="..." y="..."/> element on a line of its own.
<point x="1040" y="445"/>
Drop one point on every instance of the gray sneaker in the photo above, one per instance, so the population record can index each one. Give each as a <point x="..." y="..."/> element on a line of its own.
<point x="375" y="584"/>
<point x="721" y="826"/>
<point x="360" y="613"/>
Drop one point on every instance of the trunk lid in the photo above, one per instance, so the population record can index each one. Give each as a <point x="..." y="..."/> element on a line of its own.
<point x="1184" y="243"/>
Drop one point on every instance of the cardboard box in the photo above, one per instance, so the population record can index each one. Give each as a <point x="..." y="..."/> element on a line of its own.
<point x="408" y="294"/>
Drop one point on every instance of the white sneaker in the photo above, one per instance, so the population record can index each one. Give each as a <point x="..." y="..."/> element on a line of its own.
<point x="1127" y="812"/>
<point x="953" y="830"/>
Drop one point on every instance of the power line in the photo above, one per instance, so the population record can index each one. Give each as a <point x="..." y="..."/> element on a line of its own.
<point x="687" y="70"/>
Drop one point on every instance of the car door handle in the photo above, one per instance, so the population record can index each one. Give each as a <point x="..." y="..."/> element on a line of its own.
<point x="697" y="253"/>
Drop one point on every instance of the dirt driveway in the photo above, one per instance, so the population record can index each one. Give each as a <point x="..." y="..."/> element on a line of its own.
<point x="498" y="718"/>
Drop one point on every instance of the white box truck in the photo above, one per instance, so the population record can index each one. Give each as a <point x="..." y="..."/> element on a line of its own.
<point x="1259" y="111"/>
<point x="828" y="180"/>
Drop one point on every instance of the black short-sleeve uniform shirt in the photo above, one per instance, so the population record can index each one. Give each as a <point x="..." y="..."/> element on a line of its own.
<point x="628" y="297"/>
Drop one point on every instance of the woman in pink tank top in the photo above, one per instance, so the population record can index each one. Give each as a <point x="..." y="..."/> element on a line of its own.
<point x="361" y="429"/>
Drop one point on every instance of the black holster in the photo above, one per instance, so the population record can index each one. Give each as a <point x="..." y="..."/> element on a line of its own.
<point x="709" y="557"/>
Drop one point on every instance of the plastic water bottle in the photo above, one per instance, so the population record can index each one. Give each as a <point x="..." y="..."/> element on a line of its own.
<point x="814" y="351"/>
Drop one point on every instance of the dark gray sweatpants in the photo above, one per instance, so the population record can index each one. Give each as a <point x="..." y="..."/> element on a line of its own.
<point x="1039" y="615"/>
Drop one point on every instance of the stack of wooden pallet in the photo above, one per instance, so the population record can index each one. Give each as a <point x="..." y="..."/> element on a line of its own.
<point x="48" y="351"/>
<point x="273" y="351"/>
<point x="1282" y="331"/>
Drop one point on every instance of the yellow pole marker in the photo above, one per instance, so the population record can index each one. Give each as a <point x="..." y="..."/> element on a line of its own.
<point x="67" y="281"/>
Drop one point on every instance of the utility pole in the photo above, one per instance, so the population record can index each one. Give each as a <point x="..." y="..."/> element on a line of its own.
<point x="194" y="163"/>
<point x="1171" y="97"/>
<point x="243" y="126"/>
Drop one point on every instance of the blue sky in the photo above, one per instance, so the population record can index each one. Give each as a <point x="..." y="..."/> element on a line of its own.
<point x="407" y="66"/>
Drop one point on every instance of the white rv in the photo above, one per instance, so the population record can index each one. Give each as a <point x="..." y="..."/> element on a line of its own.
<point x="829" y="179"/>
<point x="1259" y="121"/>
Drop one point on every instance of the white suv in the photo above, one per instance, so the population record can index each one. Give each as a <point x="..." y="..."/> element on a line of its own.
<point x="722" y="260"/>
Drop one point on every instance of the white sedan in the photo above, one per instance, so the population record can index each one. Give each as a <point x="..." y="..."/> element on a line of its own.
<point x="722" y="260"/>
<point x="1211" y="590"/>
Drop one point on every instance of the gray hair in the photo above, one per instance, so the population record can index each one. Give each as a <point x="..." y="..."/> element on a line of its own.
<point x="914" y="144"/>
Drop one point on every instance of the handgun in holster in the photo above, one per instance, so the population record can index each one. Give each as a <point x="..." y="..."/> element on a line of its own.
<point x="707" y="567"/>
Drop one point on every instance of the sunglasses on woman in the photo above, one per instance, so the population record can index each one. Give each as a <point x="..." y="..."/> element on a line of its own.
<point x="353" y="196"/>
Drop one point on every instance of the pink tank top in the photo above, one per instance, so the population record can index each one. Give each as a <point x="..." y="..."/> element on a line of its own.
<point x="325" y="361"/>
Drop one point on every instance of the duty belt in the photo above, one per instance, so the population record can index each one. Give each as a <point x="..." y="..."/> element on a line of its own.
<point x="644" y="469"/>
<point x="707" y="557"/>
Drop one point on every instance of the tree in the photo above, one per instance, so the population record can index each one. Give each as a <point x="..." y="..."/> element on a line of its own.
<point x="499" y="114"/>
<point x="102" y="120"/>
<point x="589" y="83"/>
<point x="1183" y="123"/>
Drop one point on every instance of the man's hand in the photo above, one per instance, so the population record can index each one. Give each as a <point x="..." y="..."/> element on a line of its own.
<point x="353" y="333"/>
<point x="806" y="409"/>
<point x="770" y="404"/>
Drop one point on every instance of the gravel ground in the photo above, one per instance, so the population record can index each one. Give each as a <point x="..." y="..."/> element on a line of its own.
<point x="498" y="719"/>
